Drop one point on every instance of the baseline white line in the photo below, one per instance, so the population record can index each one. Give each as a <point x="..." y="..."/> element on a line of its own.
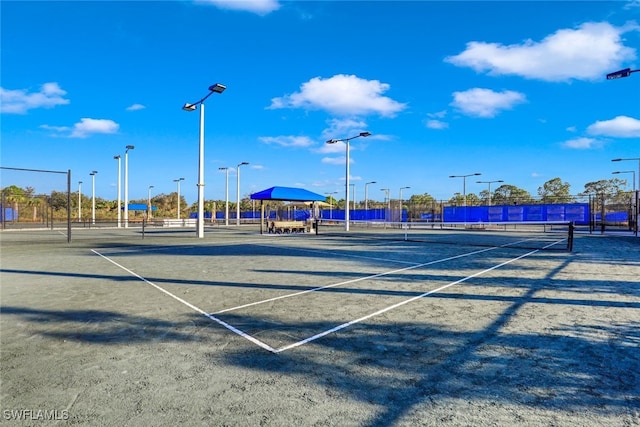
<point x="384" y="310"/>
<point x="359" y="279"/>
<point x="191" y="306"/>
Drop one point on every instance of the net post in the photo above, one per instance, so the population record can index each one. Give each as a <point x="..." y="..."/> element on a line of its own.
<point x="68" y="205"/>
<point x="570" y="237"/>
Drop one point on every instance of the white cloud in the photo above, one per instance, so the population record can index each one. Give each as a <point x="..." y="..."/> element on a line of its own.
<point x="55" y="128"/>
<point x="582" y="143"/>
<point x="288" y="140"/>
<point x="340" y="160"/>
<point x="585" y="53"/>
<point x="342" y="95"/>
<point x="87" y="127"/>
<point x="618" y="127"/>
<point x="343" y="128"/>
<point x="259" y="7"/>
<point x="20" y="101"/>
<point x="436" y="124"/>
<point x="480" y="102"/>
<point x="136" y="107"/>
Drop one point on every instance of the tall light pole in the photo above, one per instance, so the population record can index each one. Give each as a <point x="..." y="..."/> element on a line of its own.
<point x="126" y="184"/>
<point x="331" y="203"/>
<point x="621" y="73"/>
<point x="489" y="182"/>
<point x="178" y="181"/>
<point x="238" y="191"/>
<point x="149" y="201"/>
<point x="346" y="186"/>
<point x="366" y="195"/>
<point x="401" y="188"/>
<point x="79" y="201"/>
<point x="117" y="157"/>
<point x="464" y="189"/>
<point x="353" y="194"/>
<point x="93" y="196"/>
<point x="636" y="196"/>
<point x="386" y="196"/>
<point x="612" y="76"/>
<point x="215" y="88"/>
<point x="226" y="195"/>
<point x="633" y="158"/>
<point x="634" y="177"/>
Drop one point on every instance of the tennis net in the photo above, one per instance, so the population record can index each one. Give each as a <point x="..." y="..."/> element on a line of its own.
<point x="522" y="235"/>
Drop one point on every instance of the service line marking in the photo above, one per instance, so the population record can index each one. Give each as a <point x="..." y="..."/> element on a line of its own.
<point x="359" y="279"/>
<point x="394" y="306"/>
<point x="191" y="306"/>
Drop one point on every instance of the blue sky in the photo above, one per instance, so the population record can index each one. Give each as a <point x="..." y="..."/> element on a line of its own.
<point x="513" y="90"/>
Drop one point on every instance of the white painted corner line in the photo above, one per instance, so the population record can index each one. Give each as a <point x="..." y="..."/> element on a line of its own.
<point x="394" y="306"/>
<point x="191" y="306"/>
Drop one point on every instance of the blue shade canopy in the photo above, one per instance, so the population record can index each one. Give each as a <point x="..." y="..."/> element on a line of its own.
<point x="288" y="194"/>
<point x="139" y="207"/>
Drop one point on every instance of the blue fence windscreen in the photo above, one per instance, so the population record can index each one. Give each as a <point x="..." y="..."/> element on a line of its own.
<point x="577" y="212"/>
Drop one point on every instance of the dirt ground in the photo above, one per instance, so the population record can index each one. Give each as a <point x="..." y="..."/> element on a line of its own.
<point x="89" y="338"/>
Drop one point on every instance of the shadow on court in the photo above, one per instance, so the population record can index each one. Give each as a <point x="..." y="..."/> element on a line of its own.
<point x="539" y="350"/>
<point x="407" y="368"/>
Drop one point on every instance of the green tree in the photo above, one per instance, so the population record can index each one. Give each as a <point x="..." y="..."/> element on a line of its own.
<point x="458" y="199"/>
<point x="508" y="194"/>
<point x="555" y="191"/>
<point x="610" y="187"/>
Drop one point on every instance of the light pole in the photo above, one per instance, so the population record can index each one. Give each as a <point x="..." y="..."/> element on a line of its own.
<point x="612" y="76"/>
<point x="93" y="196"/>
<point x="636" y="195"/>
<point x="401" y="188"/>
<point x="117" y="157"/>
<point x="331" y="203"/>
<point x="366" y="195"/>
<point x="386" y="196"/>
<point x="464" y="189"/>
<point x="346" y="187"/>
<point x="353" y="194"/>
<point x="238" y="191"/>
<point x="149" y="199"/>
<point x="79" y="201"/>
<point x="621" y="73"/>
<point x="633" y="158"/>
<point x="178" y="181"/>
<point x="634" y="177"/>
<point x="215" y="88"/>
<point x="126" y="185"/>
<point x="226" y="195"/>
<point x="489" y="182"/>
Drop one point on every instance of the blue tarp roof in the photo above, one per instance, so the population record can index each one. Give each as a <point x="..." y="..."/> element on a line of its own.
<point x="139" y="207"/>
<point x="289" y="194"/>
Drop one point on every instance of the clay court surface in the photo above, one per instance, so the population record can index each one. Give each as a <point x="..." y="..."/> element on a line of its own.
<point x="244" y="329"/>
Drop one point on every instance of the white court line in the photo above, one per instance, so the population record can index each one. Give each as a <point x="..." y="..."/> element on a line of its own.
<point x="384" y="310"/>
<point x="193" y="307"/>
<point x="359" y="279"/>
<point x="337" y="328"/>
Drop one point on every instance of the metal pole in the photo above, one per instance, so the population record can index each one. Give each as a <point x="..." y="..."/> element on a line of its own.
<point x="200" y="220"/>
<point x="79" y="201"/>
<point x="226" y="198"/>
<point x="149" y="202"/>
<point x="93" y="198"/>
<point x="126" y="188"/>
<point x="346" y="192"/>
<point x="69" y="206"/>
<point x="238" y="195"/>
<point x="119" y="192"/>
